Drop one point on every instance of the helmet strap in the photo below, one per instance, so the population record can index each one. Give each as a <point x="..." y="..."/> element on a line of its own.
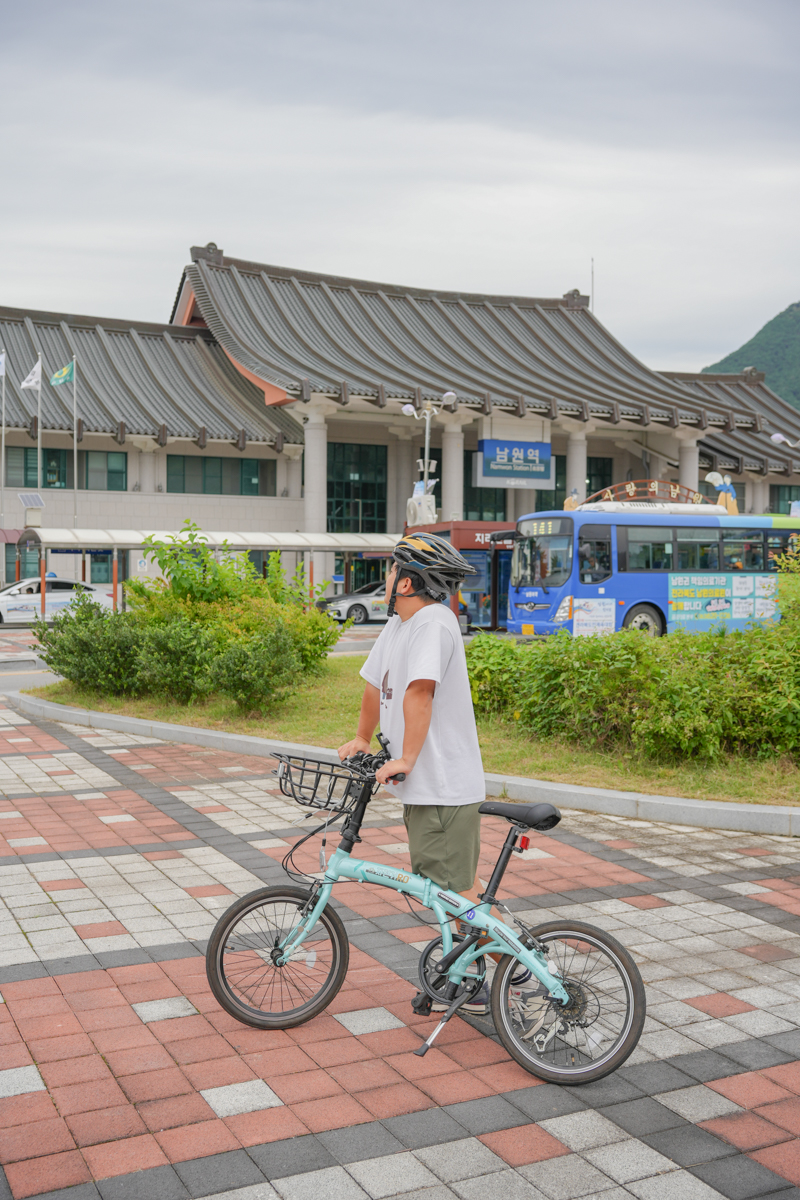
<point x="393" y="597"/>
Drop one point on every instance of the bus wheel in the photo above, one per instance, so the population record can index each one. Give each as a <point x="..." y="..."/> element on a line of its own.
<point x="646" y="618"/>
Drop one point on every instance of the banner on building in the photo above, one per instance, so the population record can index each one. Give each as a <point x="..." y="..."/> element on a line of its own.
<point x="512" y="463"/>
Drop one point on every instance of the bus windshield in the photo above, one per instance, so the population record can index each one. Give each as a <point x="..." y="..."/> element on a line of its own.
<point x="543" y="555"/>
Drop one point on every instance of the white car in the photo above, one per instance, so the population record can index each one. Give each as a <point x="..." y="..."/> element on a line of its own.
<point x="367" y="603"/>
<point x="22" y="602"/>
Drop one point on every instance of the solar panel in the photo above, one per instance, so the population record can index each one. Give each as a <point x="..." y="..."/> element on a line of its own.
<point x="30" y="500"/>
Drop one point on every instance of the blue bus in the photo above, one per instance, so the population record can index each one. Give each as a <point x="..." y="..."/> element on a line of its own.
<point x="657" y="567"/>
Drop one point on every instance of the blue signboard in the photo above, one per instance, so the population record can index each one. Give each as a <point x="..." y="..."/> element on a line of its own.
<point x="513" y="464"/>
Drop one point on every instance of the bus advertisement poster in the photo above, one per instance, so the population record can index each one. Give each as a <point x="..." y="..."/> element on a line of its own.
<point x="736" y="599"/>
<point x="590" y="615"/>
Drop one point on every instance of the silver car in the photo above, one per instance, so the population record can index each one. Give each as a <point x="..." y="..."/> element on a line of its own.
<point x="366" y="603"/>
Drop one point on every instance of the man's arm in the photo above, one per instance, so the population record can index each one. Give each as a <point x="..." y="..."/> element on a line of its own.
<point x="417" y="707"/>
<point x="367" y="723"/>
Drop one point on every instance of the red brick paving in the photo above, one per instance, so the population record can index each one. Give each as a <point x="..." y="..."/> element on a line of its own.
<point x="523" y="1145"/>
<point x="720" y="1004"/>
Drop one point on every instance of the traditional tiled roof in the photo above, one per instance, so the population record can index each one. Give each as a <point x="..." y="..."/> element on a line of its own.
<point x="158" y="380"/>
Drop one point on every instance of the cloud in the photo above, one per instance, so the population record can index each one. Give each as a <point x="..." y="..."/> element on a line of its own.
<point x="435" y="145"/>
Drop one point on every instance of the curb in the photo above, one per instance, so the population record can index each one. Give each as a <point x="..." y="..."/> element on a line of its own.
<point x="673" y="810"/>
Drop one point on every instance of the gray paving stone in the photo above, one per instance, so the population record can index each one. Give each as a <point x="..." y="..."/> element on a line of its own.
<point x="331" y="1183"/>
<point x="547" y="1100"/>
<point x="464" y="1159"/>
<point x="584" y="1130"/>
<point x="627" y="1161"/>
<point x="614" y="1089"/>
<point x="706" y="1064"/>
<point x="219" y="1172"/>
<point x="688" y="1145"/>
<point x="392" y="1174"/>
<point x="642" y="1116"/>
<point x="739" y="1178"/>
<point x="258" y="1191"/>
<point x="292" y="1156"/>
<point x="440" y="1192"/>
<point x="159" y="1183"/>
<point x="756" y="1055"/>
<point x="429" y="1128"/>
<point x="484" y="1116"/>
<point x="679" y="1185"/>
<point x="698" y="1103"/>
<point x="655" y="1077"/>
<point x="507" y="1185"/>
<point x="360" y="1142"/>
<point x="83" y="1191"/>
<point x="566" y="1178"/>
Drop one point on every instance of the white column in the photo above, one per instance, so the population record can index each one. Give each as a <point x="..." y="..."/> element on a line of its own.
<point x="391" y="488"/>
<point x="452" y="473"/>
<point x="404" y="474"/>
<point x="756" y="494"/>
<point x="511" y="504"/>
<point x="576" y="465"/>
<point x="689" y="468"/>
<point x="316" y="471"/>
<point x="147" y="471"/>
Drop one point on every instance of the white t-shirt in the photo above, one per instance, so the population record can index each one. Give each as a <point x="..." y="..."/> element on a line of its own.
<point x="429" y="646"/>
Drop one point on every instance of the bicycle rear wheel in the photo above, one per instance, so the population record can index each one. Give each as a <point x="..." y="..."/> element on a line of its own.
<point x="241" y="966"/>
<point x="597" y="1031"/>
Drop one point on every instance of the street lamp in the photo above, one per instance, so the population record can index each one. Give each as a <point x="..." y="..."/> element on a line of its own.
<point x="429" y="409"/>
<point x="780" y="440"/>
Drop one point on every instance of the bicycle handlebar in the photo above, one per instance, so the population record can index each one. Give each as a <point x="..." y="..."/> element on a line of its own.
<point x="372" y="763"/>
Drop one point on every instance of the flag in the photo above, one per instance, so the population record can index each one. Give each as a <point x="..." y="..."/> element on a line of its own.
<point x="34" y="380"/>
<point x="2" y="362"/>
<point x="65" y="375"/>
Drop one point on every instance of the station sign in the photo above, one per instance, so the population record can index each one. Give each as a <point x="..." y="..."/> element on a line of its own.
<point x="512" y="463"/>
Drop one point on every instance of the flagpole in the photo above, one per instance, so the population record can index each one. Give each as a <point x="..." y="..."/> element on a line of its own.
<point x="3" y="464"/>
<point x="75" y="441"/>
<point x="39" y="429"/>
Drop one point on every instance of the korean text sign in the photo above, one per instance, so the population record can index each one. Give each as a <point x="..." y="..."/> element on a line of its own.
<point x="520" y="464"/>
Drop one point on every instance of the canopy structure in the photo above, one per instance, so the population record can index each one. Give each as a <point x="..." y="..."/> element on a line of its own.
<point x="134" y="539"/>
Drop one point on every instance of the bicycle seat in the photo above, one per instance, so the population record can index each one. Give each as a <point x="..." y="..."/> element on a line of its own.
<point x="537" y="816"/>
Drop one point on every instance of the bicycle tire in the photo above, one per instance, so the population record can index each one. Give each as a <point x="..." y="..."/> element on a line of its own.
<point x="250" y="981"/>
<point x="557" y="1055"/>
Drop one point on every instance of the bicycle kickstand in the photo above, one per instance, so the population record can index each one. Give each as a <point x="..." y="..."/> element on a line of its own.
<point x="422" y="1050"/>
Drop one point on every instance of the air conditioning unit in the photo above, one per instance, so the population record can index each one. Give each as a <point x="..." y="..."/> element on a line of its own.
<point x="421" y="510"/>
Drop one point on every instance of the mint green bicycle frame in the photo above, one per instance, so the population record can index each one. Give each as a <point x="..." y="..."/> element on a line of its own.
<point x="445" y="904"/>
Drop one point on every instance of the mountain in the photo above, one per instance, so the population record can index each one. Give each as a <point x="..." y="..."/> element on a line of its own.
<point x="775" y="350"/>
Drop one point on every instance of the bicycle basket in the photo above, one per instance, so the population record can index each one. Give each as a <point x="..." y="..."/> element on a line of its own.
<point x="317" y="784"/>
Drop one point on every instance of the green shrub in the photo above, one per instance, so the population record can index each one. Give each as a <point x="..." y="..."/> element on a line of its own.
<point x="252" y="672"/>
<point x="175" y="659"/>
<point x="92" y="647"/>
<point x="687" y="695"/>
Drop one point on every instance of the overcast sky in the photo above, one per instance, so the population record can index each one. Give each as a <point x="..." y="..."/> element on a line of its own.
<point x="446" y="143"/>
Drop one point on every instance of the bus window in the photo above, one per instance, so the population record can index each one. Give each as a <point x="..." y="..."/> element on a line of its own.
<point x="698" y="550"/>
<point x="785" y="541"/>
<point x="594" y="553"/>
<point x="644" y="548"/>
<point x="742" y="549"/>
<point x="543" y="556"/>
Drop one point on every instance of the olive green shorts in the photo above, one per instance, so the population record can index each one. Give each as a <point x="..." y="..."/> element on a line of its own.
<point x="444" y="841"/>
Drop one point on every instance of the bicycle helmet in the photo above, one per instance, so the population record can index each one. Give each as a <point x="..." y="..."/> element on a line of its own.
<point x="433" y="561"/>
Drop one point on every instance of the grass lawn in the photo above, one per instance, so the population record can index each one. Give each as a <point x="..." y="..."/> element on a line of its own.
<point x="324" y="712"/>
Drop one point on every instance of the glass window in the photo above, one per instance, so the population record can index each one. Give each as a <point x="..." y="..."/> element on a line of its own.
<point x="267" y="477"/>
<point x="21" y="468"/>
<point x="28" y="562"/>
<point x="782" y="496"/>
<point x="599" y="474"/>
<point x="480" y="503"/>
<point x="544" y="555"/>
<point x="212" y="476"/>
<point x="698" y="550"/>
<point x="54" y="468"/>
<point x="248" y="476"/>
<point x="96" y="470"/>
<point x="356" y="488"/>
<point x="644" y="548"/>
<point x="60" y="585"/>
<point x="176" y="481"/>
<point x="594" y="553"/>
<point x="117" y="467"/>
<point x="743" y="549"/>
<point x="784" y="541"/>
<point x="549" y="499"/>
<point x="474" y="599"/>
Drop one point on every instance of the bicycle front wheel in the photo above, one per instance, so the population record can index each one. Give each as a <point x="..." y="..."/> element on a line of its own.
<point x="241" y="966"/>
<point x="592" y="1035"/>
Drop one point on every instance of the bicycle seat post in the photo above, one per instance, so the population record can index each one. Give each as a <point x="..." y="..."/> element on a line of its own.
<point x="490" y="895"/>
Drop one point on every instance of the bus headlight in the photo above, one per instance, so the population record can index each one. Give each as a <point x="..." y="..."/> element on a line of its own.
<point x="564" y="612"/>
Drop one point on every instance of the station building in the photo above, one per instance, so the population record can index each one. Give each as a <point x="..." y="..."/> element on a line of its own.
<point x="273" y="400"/>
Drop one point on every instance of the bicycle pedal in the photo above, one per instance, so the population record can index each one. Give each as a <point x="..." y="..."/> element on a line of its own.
<point x="421" y="1004"/>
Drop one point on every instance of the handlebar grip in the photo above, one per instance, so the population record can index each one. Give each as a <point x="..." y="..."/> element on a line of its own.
<point x="398" y="778"/>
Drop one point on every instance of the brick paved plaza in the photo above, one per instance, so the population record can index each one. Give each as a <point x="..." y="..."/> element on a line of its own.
<point x="121" y="1076"/>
